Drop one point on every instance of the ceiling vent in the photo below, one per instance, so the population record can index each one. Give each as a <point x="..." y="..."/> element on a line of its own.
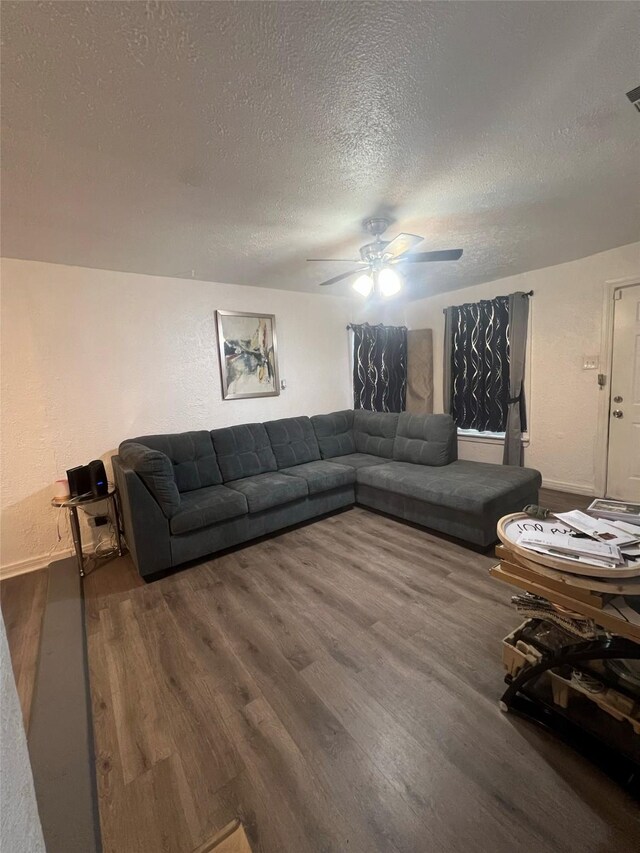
<point x="634" y="97"/>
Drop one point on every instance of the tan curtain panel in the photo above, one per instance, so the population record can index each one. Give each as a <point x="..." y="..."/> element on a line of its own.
<point x="419" y="371"/>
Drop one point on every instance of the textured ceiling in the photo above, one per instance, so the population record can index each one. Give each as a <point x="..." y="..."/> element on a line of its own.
<point x="237" y="139"/>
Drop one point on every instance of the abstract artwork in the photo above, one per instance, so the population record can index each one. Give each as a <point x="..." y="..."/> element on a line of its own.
<point x="248" y="354"/>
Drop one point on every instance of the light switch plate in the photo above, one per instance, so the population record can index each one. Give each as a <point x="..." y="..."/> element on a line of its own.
<point x="590" y="362"/>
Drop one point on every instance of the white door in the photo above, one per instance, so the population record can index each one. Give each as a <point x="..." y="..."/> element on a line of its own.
<point x="623" y="475"/>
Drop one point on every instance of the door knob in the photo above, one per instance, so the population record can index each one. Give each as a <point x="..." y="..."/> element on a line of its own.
<point x="616" y="413"/>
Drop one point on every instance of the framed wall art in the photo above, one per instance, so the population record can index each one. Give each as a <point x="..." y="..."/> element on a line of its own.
<point x="248" y="354"/>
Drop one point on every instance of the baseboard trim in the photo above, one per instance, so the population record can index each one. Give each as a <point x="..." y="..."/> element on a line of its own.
<point x="33" y="564"/>
<point x="572" y="488"/>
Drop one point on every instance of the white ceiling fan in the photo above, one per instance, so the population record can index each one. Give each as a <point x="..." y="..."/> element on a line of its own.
<point x="375" y="268"/>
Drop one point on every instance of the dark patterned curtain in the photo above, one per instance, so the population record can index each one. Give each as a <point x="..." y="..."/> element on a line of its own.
<point x="478" y="336"/>
<point x="379" y="367"/>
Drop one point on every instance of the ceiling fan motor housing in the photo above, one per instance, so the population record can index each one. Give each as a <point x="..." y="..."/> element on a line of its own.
<point x="372" y="252"/>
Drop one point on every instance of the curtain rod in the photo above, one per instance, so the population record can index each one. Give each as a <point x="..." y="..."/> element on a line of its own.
<point x="527" y="294"/>
<point x="377" y="326"/>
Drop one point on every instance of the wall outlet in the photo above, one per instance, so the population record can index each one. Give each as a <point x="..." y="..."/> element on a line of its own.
<point x="590" y="362"/>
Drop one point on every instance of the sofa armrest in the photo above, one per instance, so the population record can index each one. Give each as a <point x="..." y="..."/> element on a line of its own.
<point x="156" y="471"/>
<point x="146" y="527"/>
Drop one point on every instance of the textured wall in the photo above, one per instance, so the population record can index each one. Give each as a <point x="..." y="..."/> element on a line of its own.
<point x="20" y="830"/>
<point x="566" y="324"/>
<point x="92" y="357"/>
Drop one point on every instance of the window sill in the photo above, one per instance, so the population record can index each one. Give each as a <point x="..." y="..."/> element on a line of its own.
<point x="474" y="435"/>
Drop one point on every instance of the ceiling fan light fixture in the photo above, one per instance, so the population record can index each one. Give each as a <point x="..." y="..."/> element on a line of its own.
<point x="363" y="284"/>
<point x="389" y="282"/>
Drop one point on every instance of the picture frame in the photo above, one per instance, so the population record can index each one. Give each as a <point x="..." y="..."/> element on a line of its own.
<point x="248" y="352"/>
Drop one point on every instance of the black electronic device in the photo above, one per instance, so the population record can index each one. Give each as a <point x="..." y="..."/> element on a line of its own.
<point x="79" y="481"/>
<point x="97" y="478"/>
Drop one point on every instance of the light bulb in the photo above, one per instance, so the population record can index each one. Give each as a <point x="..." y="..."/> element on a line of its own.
<point x="363" y="284"/>
<point x="388" y="281"/>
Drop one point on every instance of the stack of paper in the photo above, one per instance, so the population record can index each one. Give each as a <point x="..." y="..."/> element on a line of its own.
<point x="621" y="533"/>
<point x="615" y="533"/>
<point x="580" y="550"/>
<point x="630" y="550"/>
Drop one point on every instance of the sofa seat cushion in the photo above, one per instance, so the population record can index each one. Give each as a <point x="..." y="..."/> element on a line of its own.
<point x="202" y="507"/>
<point x="474" y="487"/>
<point x="323" y="475"/>
<point x="293" y="441"/>
<point x="263" y="491"/>
<point x="358" y="460"/>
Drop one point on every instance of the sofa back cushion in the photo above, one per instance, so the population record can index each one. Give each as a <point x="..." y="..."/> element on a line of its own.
<point x="156" y="471"/>
<point x="192" y="455"/>
<point x="293" y="441"/>
<point x="426" y="439"/>
<point x="334" y="433"/>
<point x="243" y="451"/>
<point x="374" y="432"/>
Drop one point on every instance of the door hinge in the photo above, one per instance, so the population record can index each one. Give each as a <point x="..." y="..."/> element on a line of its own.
<point x="617" y="294"/>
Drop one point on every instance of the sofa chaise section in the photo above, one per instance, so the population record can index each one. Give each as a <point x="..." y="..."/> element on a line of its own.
<point x="427" y="484"/>
<point x="464" y="499"/>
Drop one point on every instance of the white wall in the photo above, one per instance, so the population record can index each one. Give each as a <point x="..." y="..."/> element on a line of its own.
<point x="565" y="325"/>
<point x="20" y="830"/>
<point x="91" y="357"/>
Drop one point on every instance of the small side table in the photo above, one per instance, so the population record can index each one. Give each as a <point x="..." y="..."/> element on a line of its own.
<point x="72" y="504"/>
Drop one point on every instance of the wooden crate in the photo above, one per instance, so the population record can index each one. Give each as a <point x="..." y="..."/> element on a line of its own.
<point x="516" y="654"/>
<point x="613" y="703"/>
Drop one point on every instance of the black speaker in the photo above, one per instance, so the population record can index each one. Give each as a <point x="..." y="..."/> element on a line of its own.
<point x="97" y="478"/>
<point x="79" y="481"/>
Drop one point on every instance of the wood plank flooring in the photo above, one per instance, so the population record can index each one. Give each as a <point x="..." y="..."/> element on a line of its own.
<point x="336" y="688"/>
<point x="23" y="599"/>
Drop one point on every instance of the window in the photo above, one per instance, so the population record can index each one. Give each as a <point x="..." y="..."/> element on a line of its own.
<point x="479" y="369"/>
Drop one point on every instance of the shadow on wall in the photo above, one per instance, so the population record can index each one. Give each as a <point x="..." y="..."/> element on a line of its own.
<point x="30" y="524"/>
<point x="33" y="524"/>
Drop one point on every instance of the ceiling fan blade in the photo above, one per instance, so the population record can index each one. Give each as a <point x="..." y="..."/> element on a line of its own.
<point x="419" y="257"/>
<point x="401" y="244"/>
<point x="344" y="260"/>
<point x="340" y="277"/>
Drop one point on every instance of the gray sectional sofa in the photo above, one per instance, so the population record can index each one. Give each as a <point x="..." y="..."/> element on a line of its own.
<point x="187" y="495"/>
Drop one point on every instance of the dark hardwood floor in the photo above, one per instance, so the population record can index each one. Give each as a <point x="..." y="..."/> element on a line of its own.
<point x="23" y="599"/>
<point x="336" y="688"/>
